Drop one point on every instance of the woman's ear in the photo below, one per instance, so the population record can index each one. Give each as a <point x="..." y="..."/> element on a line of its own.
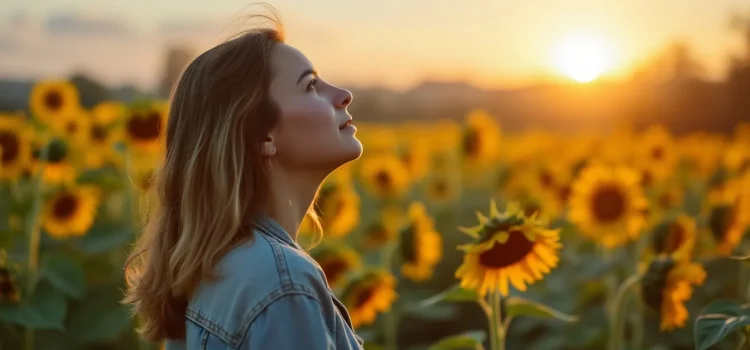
<point x="269" y="149"/>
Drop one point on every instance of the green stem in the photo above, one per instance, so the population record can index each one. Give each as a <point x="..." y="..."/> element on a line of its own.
<point x="637" y="322"/>
<point x="33" y="232"/>
<point x="392" y="317"/>
<point x="615" y="311"/>
<point x="490" y="312"/>
<point x="497" y="313"/>
<point x="610" y="281"/>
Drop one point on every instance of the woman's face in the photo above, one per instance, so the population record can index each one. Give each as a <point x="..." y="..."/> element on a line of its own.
<point x="314" y="131"/>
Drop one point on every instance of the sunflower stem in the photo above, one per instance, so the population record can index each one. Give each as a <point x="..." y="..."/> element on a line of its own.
<point x="491" y="322"/>
<point x="33" y="232"/>
<point x="611" y="283"/>
<point x="616" y="308"/>
<point x="498" y="324"/>
<point x="389" y="261"/>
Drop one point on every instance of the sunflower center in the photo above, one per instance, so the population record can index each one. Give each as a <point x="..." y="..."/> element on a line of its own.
<point x="505" y="254"/>
<point x="56" y="153"/>
<point x="608" y="203"/>
<point x="10" y="146"/>
<point x="440" y="187"/>
<point x="98" y="133"/>
<point x="657" y="153"/>
<point x="721" y="220"/>
<point x="383" y="179"/>
<point x="146" y="127"/>
<point x="471" y="142"/>
<point x="564" y="193"/>
<point x="65" y="206"/>
<point x="546" y="179"/>
<point x="364" y="296"/>
<point x="669" y="237"/>
<point x="378" y="234"/>
<point x="408" y="248"/>
<point x="655" y="280"/>
<point x="71" y="127"/>
<point x="334" y="268"/>
<point x="666" y="200"/>
<point x="53" y="100"/>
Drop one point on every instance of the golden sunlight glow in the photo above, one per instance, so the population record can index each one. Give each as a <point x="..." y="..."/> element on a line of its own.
<point x="582" y="57"/>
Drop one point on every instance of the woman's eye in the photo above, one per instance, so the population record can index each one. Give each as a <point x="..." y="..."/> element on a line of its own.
<point x="311" y="85"/>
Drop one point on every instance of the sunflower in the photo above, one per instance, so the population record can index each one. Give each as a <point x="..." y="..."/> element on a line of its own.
<point x="509" y="247"/>
<point x="441" y="188"/>
<point x="368" y="294"/>
<point x="667" y="285"/>
<point x="108" y="112"/>
<point x="336" y="260"/>
<point x="416" y="156"/>
<point x="421" y="245"/>
<point x="674" y="234"/>
<point x="726" y="226"/>
<point x="101" y="139"/>
<point x="383" y="229"/>
<point x="144" y="126"/>
<point x="338" y="208"/>
<point x="15" y="150"/>
<point x="608" y="204"/>
<point x="58" y="167"/>
<point x="481" y="138"/>
<point x="549" y="185"/>
<point x="70" y="212"/>
<point x="736" y="157"/>
<point x="656" y="153"/>
<point x="53" y="101"/>
<point x="385" y="175"/>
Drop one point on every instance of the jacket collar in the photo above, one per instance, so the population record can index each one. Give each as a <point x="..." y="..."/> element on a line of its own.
<point x="268" y="226"/>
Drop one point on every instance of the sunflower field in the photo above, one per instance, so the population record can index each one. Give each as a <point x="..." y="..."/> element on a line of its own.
<point x="444" y="235"/>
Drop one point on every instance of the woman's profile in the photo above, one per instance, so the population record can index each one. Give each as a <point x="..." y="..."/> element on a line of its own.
<point x="253" y="131"/>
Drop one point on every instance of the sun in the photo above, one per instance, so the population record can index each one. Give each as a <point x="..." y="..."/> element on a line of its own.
<point x="583" y="58"/>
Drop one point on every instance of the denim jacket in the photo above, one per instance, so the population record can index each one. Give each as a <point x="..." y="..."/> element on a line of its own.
<point x="270" y="295"/>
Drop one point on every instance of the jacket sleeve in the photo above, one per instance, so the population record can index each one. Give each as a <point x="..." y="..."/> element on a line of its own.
<point x="294" y="321"/>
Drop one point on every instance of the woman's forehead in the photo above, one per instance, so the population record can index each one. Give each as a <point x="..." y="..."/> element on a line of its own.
<point x="288" y="61"/>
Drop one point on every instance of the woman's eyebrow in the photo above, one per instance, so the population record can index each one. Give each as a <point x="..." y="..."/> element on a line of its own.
<point x="305" y="73"/>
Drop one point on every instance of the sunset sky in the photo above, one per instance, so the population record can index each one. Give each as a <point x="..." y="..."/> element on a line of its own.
<point x="492" y="43"/>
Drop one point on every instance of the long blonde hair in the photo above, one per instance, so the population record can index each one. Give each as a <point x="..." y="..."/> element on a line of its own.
<point x="212" y="180"/>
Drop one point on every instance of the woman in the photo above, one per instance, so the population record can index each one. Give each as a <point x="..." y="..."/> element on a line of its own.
<point x="252" y="133"/>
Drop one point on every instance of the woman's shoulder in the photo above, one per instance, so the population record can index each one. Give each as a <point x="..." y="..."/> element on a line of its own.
<point x="250" y="277"/>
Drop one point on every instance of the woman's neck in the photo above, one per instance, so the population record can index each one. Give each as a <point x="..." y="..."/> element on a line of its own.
<point x="291" y="194"/>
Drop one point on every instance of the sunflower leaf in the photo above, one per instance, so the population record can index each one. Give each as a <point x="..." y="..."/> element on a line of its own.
<point x="517" y="306"/>
<point x="65" y="275"/>
<point x="717" y="320"/>
<point x="468" y="340"/>
<point x="104" y="237"/>
<point x="101" y="318"/>
<point x="44" y="310"/>
<point x="455" y="293"/>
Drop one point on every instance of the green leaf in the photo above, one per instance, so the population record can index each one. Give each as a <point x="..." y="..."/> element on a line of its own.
<point x="44" y="310"/>
<point x="455" y="293"/>
<point x="717" y="320"/>
<point x="469" y="340"/>
<point x="105" y="237"/>
<point x="65" y="275"/>
<point x="100" y="318"/>
<point x="517" y="306"/>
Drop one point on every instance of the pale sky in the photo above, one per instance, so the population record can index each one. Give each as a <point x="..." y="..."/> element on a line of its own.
<point x="492" y="43"/>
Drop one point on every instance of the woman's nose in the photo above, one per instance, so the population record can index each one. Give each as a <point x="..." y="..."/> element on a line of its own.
<point x="343" y="99"/>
